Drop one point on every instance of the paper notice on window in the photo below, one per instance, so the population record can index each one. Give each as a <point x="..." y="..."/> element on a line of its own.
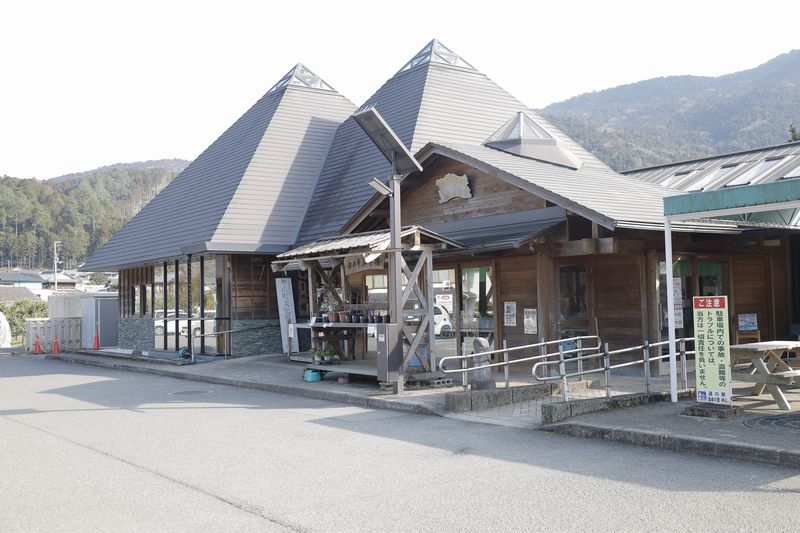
<point x="530" y="322"/>
<point x="510" y="314"/>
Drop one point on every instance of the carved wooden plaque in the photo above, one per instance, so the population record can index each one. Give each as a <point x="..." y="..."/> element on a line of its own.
<point x="453" y="186"/>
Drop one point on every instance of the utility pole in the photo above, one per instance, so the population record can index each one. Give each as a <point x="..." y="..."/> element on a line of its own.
<point x="56" y="244"/>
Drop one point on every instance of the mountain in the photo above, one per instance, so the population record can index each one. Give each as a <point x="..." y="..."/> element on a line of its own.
<point x="681" y="117"/>
<point x="82" y="210"/>
<point x="171" y="165"/>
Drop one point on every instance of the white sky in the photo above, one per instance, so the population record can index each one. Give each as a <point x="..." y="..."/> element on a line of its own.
<point x="85" y="84"/>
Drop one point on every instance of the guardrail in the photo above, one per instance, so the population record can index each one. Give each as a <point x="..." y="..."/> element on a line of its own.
<point x="582" y="344"/>
<point x="215" y="333"/>
<point x="607" y="367"/>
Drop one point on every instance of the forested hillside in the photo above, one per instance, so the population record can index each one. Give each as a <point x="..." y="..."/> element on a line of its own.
<point x="81" y="210"/>
<point x="681" y="117"/>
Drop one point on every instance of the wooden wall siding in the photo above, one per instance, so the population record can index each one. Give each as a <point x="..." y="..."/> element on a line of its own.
<point x="547" y="297"/>
<point x="781" y="295"/>
<point x="489" y="196"/>
<point x="517" y="283"/>
<point x="252" y="288"/>
<point x="618" y="300"/>
<point x="731" y="247"/>
<point x="133" y="277"/>
<point x="750" y="280"/>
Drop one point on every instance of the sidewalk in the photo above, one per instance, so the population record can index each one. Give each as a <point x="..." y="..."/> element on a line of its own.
<point x="762" y="433"/>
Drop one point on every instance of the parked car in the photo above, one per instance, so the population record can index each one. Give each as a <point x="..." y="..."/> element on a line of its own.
<point x="442" y="326"/>
<point x="158" y="320"/>
<point x="210" y="325"/>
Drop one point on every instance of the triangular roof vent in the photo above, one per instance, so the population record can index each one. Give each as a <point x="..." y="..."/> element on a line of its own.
<point x="301" y="77"/>
<point x="525" y="137"/>
<point x="436" y="52"/>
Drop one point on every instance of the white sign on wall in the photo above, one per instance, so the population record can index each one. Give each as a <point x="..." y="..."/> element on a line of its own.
<point x="530" y="322"/>
<point x="677" y="295"/>
<point x="286" y="312"/>
<point x="510" y="314"/>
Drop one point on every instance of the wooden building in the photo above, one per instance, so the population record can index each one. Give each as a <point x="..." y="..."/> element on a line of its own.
<point x="541" y="228"/>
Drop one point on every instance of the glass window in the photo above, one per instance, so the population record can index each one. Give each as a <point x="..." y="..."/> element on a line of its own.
<point x="754" y="173"/>
<point x="682" y="292"/>
<point x="477" y="304"/>
<point x="793" y="172"/>
<point x="444" y="297"/>
<point x="572" y="292"/>
<point x="678" y="177"/>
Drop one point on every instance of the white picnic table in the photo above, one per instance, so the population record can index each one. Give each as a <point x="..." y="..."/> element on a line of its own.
<point x="764" y="367"/>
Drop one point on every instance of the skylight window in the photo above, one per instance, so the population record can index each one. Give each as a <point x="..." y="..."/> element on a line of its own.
<point x="300" y="76"/>
<point x="753" y="173"/>
<point x="793" y="173"/>
<point x="436" y="52"/>
<point x="678" y="177"/>
<point x="713" y="176"/>
<point x="522" y="135"/>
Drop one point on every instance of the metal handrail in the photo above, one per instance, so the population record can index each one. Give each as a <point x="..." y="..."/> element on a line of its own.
<point x="200" y="335"/>
<point x="505" y="350"/>
<point x="607" y="366"/>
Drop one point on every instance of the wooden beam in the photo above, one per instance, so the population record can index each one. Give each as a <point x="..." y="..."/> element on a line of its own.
<point x="605" y="245"/>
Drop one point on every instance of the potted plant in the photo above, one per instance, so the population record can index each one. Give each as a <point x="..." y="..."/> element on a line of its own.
<point x="316" y="355"/>
<point x="332" y="314"/>
<point x="327" y="354"/>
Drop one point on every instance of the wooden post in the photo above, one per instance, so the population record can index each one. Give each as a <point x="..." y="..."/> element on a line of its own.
<point x="428" y="256"/>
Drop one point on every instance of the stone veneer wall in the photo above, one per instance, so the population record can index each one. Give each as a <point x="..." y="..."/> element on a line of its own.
<point x="266" y="339"/>
<point x="136" y="333"/>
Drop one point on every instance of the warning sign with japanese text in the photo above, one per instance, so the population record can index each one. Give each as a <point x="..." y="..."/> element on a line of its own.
<point x="712" y="349"/>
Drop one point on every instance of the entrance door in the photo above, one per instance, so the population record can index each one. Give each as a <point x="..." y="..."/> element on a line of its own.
<point x="477" y="305"/>
<point x="692" y="276"/>
<point x="573" y="301"/>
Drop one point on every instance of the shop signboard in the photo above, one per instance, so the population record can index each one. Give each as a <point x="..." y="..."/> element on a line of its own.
<point x="286" y="313"/>
<point x="712" y="349"/>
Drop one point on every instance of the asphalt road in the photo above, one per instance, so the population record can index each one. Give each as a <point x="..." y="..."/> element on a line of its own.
<point x="93" y="449"/>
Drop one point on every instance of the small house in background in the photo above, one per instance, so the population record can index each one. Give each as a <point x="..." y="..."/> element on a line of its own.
<point x="65" y="281"/>
<point x="28" y="280"/>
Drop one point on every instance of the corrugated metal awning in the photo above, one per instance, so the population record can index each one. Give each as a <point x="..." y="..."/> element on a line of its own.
<point x="502" y="232"/>
<point x="358" y="243"/>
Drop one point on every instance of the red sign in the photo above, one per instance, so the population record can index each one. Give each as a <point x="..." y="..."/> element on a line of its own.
<point x="708" y="302"/>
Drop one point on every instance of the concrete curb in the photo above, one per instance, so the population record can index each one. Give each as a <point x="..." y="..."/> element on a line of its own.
<point x="681" y="443"/>
<point x="333" y="396"/>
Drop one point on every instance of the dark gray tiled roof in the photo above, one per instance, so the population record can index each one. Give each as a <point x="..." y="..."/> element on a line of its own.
<point x="13" y="294"/>
<point x="246" y="192"/>
<point x="594" y="191"/>
<point x="20" y="277"/>
<point x="432" y="101"/>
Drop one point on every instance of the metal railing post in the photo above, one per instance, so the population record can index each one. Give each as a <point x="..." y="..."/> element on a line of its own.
<point x="580" y="358"/>
<point x="607" y="365"/>
<point x="464" y="365"/>
<point x="684" y="377"/>
<point x="191" y="345"/>
<point x="543" y="351"/>
<point x="646" y="361"/>
<point x="505" y="361"/>
<point x="562" y="372"/>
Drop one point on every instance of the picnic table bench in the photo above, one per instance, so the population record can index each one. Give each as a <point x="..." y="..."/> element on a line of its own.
<point x="764" y="367"/>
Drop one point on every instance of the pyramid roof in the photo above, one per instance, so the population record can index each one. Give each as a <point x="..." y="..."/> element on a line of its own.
<point x="248" y="190"/>
<point x="437" y="96"/>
